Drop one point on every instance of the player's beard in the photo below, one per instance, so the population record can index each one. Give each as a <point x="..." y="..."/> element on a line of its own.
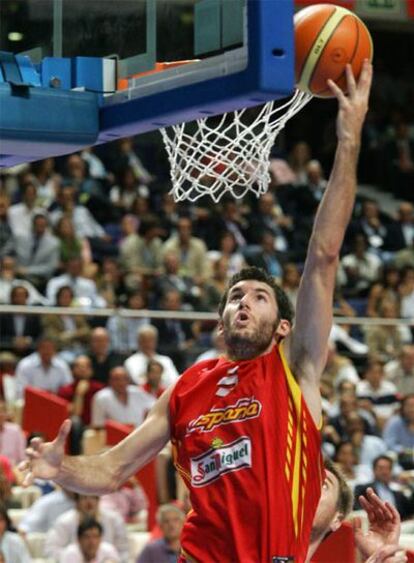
<point x="250" y="344"/>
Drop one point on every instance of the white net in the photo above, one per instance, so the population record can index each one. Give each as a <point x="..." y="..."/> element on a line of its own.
<point x="227" y="155"/>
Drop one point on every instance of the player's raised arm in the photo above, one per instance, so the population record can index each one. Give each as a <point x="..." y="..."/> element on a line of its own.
<point x="307" y="345"/>
<point x="101" y="473"/>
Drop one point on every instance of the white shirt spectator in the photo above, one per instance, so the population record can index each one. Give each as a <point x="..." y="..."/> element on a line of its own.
<point x="34" y="296"/>
<point x="73" y="554"/>
<point x="106" y="406"/>
<point x="83" y="288"/>
<point x="64" y="533"/>
<point x="384" y="398"/>
<point x="12" y="443"/>
<point x="136" y="366"/>
<point x="31" y="372"/>
<point x="44" y="512"/>
<point x="21" y="218"/>
<point x="14" y="549"/>
<point x="123" y="333"/>
<point x="368" y="269"/>
<point x="83" y="221"/>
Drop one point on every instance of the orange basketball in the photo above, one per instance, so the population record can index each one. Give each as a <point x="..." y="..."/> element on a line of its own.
<point x="327" y="37"/>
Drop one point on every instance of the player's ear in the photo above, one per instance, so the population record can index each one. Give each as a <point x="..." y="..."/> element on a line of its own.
<point x="283" y="328"/>
<point x="336" y="522"/>
<point x="220" y="327"/>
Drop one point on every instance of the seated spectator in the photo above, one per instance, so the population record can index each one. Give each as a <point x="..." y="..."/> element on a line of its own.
<point x="346" y="458"/>
<point x="123" y="330"/>
<point x="371" y="226"/>
<point x="387" y="489"/>
<point x="6" y="234"/>
<point x="110" y="282"/>
<point x="290" y="281"/>
<point x="141" y="254"/>
<point x="84" y="289"/>
<point x="399" y="430"/>
<point x="367" y="447"/>
<point x="9" y="278"/>
<point x="401" y="370"/>
<point x="399" y="153"/>
<point x="42" y="514"/>
<point x="12" y="439"/>
<point x="406" y="291"/>
<point x="65" y="529"/>
<point x="400" y="234"/>
<point x="123" y="194"/>
<point x="171" y="520"/>
<point x="269" y="217"/>
<point x="384" y="289"/>
<point x="21" y="214"/>
<point x="19" y="331"/>
<point x="47" y="181"/>
<point x="385" y="341"/>
<point x="380" y="392"/>
<point x="153" y="378"/>
<point x="339" y="368"/>
<point x="227" y="248"/>
<point x="80" y="394"/>
<point x="136" y="364"/>
<point x="218" y="349"/>
<point x="128" y="501"/>
<point x="214" y="288"/>
<point x="70" y="332"/>
<point x="89" y="546"/>
<point x="298" y="158"/>
<point x="191" y="250"/>
<point x="120" y="401"/>
<point x="37" y="253"/>
<point x="267" y="257"/>
<point x="361" y="268"/>
<point x="170" y="279"/>
<point x="42" y="369"/>
<point x="70" y="245"/>
<point x="12" y="546"/>
<point x="84" y="223"/>
<point x="102" y="357"/>
<point x="176" y="337"/>
<point x="348" y="403"/>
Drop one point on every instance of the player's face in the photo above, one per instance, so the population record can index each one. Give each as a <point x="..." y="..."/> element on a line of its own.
<point x="327" y="516"/>
<point x="250" y="320"/>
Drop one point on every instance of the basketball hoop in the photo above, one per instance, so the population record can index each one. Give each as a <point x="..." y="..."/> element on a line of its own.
<point x="229" y="154"/>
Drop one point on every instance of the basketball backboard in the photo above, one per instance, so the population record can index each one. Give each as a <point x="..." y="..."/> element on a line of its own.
<point x="75" y="73"/>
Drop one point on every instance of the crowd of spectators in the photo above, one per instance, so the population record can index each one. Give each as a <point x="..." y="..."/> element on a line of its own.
<point x="99" y="229"/>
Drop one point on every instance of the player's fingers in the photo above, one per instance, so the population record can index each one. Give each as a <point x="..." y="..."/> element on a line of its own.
<point x="64" y="432"/>
<point x="35" y="443"/>
<point x="365" y="78"/>
<point x="32" y="454"/>
<point x="350" y="80"/>
<point x="28" y="479"/>
<point x="334" y="88"/>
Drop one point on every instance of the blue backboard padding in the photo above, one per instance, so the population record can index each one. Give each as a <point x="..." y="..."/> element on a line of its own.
<point x="39" y="122"/>
<point x="87" y="72"/>
<point x="56" y="68"/>
<point x="269" y="75"/>
<point x="29" y="74"/>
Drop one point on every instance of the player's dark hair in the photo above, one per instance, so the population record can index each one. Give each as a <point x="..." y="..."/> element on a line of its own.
<point x="89" y="524"/>
<point x="285" y="308"/>
<point x="345" y="499"/>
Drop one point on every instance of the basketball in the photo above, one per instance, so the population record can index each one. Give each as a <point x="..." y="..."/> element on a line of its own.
<point x="327" y="38"/>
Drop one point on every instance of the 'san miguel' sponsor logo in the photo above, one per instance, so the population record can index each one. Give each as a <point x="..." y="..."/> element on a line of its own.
<point x="245" y="408"/>
<point x="216" y="462"/>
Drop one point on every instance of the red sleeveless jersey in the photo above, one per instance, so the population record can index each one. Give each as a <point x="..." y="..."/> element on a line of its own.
<point x="249" y="452"/>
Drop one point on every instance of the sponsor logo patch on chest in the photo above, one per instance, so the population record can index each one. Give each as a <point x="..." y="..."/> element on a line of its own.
<point x="245" y="408"/>
<point x="214" y="463"/>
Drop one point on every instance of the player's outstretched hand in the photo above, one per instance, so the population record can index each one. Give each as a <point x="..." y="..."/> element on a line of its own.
<point x="44" y="459"/>
<point x="353" y="106"/>
<point x="384" y="528"/>
<point x="388" y="554"/>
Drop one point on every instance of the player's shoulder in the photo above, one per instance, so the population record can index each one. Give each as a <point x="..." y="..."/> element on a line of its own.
<point x="198" y="370"/>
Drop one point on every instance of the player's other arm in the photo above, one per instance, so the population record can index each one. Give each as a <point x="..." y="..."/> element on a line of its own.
<point x="307" y="346"/>
<point x="101" y="473"/>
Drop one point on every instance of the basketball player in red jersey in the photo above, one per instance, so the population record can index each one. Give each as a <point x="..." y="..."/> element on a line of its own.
<point x="245" y="428"/>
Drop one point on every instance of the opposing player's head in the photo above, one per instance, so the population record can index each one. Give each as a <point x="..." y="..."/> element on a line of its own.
<point x="254" y="313"/>
<point x="334" y="505"/>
